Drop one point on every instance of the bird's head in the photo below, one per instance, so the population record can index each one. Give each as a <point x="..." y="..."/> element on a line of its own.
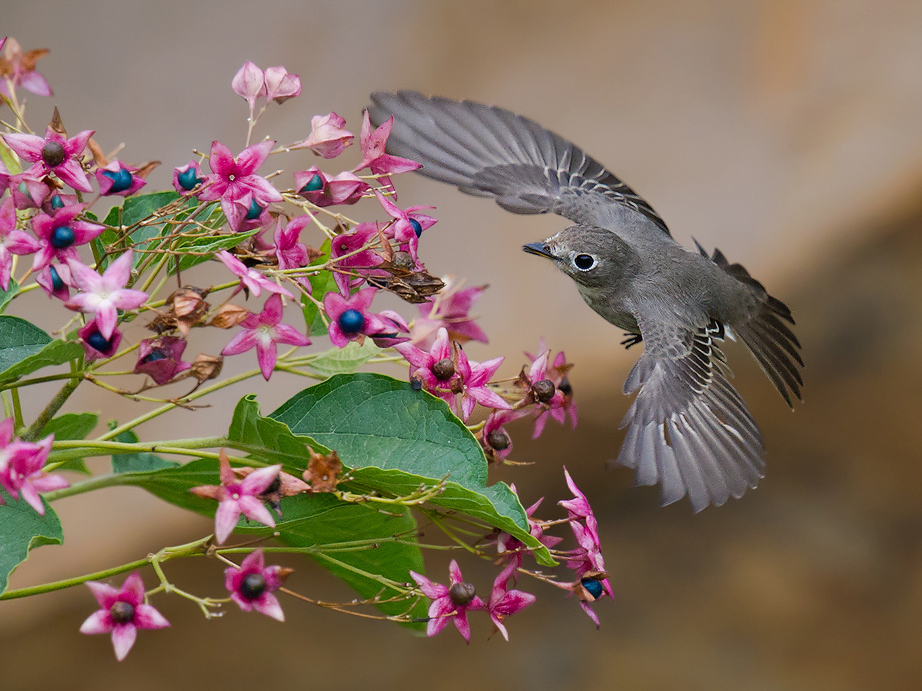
<point x="593" y="257"/>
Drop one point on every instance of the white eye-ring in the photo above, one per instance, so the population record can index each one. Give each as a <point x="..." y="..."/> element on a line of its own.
<point x="584" y="262"/>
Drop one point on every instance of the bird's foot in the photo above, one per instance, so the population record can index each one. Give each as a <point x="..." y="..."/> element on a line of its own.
<point x="631" y="340"/>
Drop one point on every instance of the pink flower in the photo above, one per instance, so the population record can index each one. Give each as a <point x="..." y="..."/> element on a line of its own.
<point x="55" y="280"/>
<point x="239" y="497"/>
<point x="12" y="241"/>
<point x="28" y="191"/>
<point x="60" y="234"/>
<point x="95" y="344"/>
<point x="251" y="279"/>
<point x="281" y="84"/>
<point x="263" y="331"/>
<point x="374" y="157"/>
<point x="320" y="190"/>
<point x="353" y="251"/>
<point x="118" y="178"/>
<point x="104" y="295"/>
<point x="550" y="389"/>
<point x="449" y="602"/>
<point x="21" y="466"/>
<point x="408" y="225"/>
<point x="249" y="83"/>
<point x="445" y="371"/>
<point x="327" y="138"/>
<point x="122" y="612"/>
<point x="19" y="69"/>
<point x="251" y="585"/>
<point x="161" y="358"/>
<point x="350" y="318"/>
<point x="53" y="153"/>
<point x="235" y="183"/>
<point x="186" y="178"/>
<point x="450" y="308"/>
<point x="504" y="602"/>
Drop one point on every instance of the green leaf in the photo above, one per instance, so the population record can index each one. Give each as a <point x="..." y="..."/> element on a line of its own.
<point x="25" y="348"/>
<point x="374" y="421"/>
<point x="267" y="439"/>
<point x="137" y="462"/>
<point x="207" y="245"/>
<point x="138" y="208"/>
<point x="22" y="529"/>
<point x="71" y="426"/>
<point x="344" y="360"/>
<point x="8" y="294"/>
<point x="323" y="521"/>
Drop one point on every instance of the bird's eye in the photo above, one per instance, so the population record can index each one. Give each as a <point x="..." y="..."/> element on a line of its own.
<point x="584" y="262"/>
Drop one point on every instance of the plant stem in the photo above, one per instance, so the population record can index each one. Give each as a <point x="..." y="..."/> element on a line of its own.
<point x="60" y="398"/>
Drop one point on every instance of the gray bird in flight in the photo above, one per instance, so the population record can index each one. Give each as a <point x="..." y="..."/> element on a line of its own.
<point x="688" y="428"/>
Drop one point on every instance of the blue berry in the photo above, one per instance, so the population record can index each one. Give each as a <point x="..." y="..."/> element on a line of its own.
<point x="188" y="179"/>
<point x="154" y="355"/>
<point x="351" y="322"/>
<point x="254" y="211"/>
<point x="417" y="228"/>
<point x="593" y="587"/>
<point x="121" y="180"/>
<point x="98" y="342"/>
<point x="314" y="184"/>
<point x="56" y="282"/>
<point x="57" y="202"/>
<point x="62" y="237"/>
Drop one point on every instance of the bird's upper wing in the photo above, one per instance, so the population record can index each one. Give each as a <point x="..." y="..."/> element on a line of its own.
<point x="491" y="152"/>
<point x="689" y="429"/>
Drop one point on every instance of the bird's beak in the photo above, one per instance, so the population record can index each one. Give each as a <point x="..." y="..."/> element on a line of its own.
<point x="539" y="248"/>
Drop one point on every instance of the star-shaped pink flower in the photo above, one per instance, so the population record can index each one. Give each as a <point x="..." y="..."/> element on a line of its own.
<point x="263" y="331"/>
<point x="121" y="613"/>
<point x="19" y="69"/>
<point x="251" y="585"/>
<point x="504" y="602"/>
<point x="374" y="157"/>
<point x="250" y="278"/>
<point x="53" y="153"/>
<point x="239" y="497"/>
<point x="21" y="466"/>
<point x="60" y="234"/>
<point x="350" y="318"/>
<point x="104" y="295"/>
<point x="449" y="603"/>
<point x="234" y="181"/>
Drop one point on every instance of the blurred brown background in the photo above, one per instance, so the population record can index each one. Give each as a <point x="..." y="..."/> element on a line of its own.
<point x="786" y="132"/>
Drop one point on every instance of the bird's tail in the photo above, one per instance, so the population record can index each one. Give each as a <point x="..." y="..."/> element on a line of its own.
<point x="768" y="337"/>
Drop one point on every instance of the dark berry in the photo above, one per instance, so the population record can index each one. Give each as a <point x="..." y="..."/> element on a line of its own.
<point x="444" y="369"/>
<point x="188" y="179"/>
<point x="253" y="585"/>
<point x="544" y="390"/>
<point x="565" y="387"/>
<point x="417" y="228"/>
<point x="499" y="440"/>
<point x="53" y="154"/>
<point x="416" y="384"/>
<point x="62" y="237"/>
<point x="121" y="180"/>
<point x="593" y="586"/>
<point x="56" y="282"/>
<point x="312" y="185"/>
<point x="351" y="322"/>
<point x="122" y="612"/>
<point x="461" y="594"/>
<point x="254" y="210"/>
<point x="154" y="355"/>
<point x="98" y="342"/>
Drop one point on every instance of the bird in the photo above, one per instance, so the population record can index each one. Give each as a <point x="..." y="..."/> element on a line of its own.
<point x="688" y="430"/>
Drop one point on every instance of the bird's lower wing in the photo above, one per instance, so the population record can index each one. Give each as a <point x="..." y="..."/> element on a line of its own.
<point x="491" y="152"/>
<point x="689" y="430"/>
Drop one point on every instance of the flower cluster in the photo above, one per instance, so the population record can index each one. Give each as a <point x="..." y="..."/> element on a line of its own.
<point x="288" y="249"/>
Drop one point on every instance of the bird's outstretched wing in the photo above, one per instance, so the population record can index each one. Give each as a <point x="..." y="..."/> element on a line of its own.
<point x="491" y="152"/>
<point x="689" y="430"/>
